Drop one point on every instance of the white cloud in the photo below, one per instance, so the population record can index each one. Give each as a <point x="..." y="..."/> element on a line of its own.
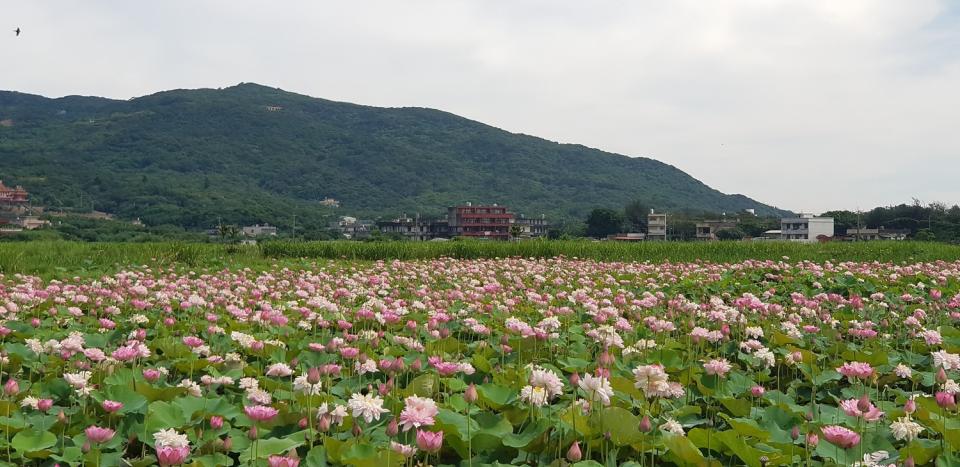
<point x="856" y="99"/>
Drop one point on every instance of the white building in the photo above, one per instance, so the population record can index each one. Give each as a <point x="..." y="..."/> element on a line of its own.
<point x="656" y="226"/>
<point x="805" y="228"/>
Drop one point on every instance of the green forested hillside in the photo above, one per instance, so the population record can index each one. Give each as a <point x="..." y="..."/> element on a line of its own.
<point x="250" y="153"/>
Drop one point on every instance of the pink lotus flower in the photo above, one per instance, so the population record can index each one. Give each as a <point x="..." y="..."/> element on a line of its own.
<point x="719" y="367"/>
<point x="856" y="370"/>
<point x="216" y="422"/>
<point x="757" y="391"/>
<point x="151" y="375"/>
<point x="418" y="412"/>
<point x="856" y="408"/>
<point x="44" y="404"/>
<point x="841" y="436"/>
<point x="283" y="461"/>
<point x="111" y="406"/>
<point x="260" y="413"/>
<point x="429" y="441"/>
<point x="172" y="455"/>
<point x="98" y="434"/>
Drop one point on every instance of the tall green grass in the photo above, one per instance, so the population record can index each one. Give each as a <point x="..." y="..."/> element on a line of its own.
<point x="65" y="259"/>
<point x="618" y="251"/>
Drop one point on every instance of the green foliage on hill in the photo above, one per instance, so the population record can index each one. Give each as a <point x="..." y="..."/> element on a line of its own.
<point x="249" y="153"/>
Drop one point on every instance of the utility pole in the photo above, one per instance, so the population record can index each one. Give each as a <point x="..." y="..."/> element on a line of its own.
<point x="859" y="227"/>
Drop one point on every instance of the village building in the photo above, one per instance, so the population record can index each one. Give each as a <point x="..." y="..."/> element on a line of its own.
<point x="490" y="221"/>
<point x="257" y="230"/>
<point x="806" y="228"/>
<point x="656" y="226"/>
<point x="707" y="230"/>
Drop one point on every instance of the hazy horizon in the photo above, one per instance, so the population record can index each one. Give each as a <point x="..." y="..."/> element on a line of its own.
<point x="809" y="107"/>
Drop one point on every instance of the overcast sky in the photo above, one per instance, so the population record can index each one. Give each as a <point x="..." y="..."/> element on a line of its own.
<point x="807" y="105"/>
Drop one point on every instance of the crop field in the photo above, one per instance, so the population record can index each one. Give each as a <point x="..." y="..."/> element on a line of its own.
<point x="341" y="354"/>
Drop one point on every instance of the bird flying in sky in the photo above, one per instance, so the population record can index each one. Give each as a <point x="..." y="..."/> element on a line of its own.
<point x="17" y="31"/>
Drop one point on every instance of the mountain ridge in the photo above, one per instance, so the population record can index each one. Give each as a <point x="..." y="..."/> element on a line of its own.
<point x="252" y="153"/>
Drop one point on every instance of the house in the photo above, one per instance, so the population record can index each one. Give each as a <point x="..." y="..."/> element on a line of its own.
<point x="627" y="237"/>
<point x="656" y="226"/>
<point x="265" y="230"/>
<point x="707" y="230"/>
<point x="806" y="228"/>
<point x="408" y="228"/>
<point x="482" y="221"/>
<point x="531" y="227"/>
<point x="330" y="202"/>
<point x="864" y="234"/>
<point x="353" y="228"/>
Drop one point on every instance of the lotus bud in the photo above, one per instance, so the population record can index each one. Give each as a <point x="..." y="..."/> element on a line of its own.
<point x="606" y="359"/>
<point x="470" y="395"/>
<point x="227" y="444"/>
<point x="35" y="322"/>
<point x="909" y="462"/>
<point x="575" y="378"/>
<point x="44" y="404"/>
<point x="11" y="388"/>
<point x="863" y="404"/>
<point x="809" y="416"/>
<point x="302" y="423"/>
<point x="946" y="400"/>
<point x="757" y="391"/>
<point x="645" y="425"/>
<point x="252" y="433"/>
<point x="357" y="431"/>
<point x="61" y="417"/>
<point x="383" y="389"/>
<point x="256" y="346"/>
<point x="416" y="366"/>
<point x="910" y="406"/>
<point x="324" y="424"/>
<point x="941" y="376"/>
<point x="313" y="375"/>
<point x="574" y="454"/>
<point x="86" y="447"/>
<point x="216" y="422"/>
<point x="812" y="440"/>
<point x="393" y="428"/>
<point x="795" y="433"/>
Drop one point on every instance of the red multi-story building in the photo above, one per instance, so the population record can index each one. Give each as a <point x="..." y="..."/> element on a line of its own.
<point x="491" y="221"/>
<point x="15" y="196"/>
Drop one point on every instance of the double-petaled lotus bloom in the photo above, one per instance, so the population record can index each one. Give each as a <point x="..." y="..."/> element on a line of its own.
<point x="418" y="412"/>
<point x="597" y="388"/>
<point x="279" y="369"/>
<point x="260" y="413"/>
<point x="856" y="370"/>
<point x="98" y="434"/>
<point x="111" y="406"/>
<point x="170" y="455"/>
<point x="283" y="461"/>
<point x="841" y="436"/>
<point x="367" y="407"/>
<point x="652" y="380"/>
<point x="719" y="367"/>
<point x="429" y="441"/>
<point x="403" y="449"/>
<point x="861" y="408"/>
<point x="172" y="448"/>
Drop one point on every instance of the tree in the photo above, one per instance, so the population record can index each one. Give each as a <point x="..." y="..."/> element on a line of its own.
<point x="515" y="231"/>
<point x="636" y="215"/>
<point x="603" y="222"/>
<point x="730" y="234"/>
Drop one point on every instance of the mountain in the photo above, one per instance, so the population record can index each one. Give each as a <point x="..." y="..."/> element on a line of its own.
<point x="250" y="153"/>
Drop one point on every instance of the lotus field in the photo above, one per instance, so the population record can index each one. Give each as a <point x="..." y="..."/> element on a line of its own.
<point x="477" y="362"/>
